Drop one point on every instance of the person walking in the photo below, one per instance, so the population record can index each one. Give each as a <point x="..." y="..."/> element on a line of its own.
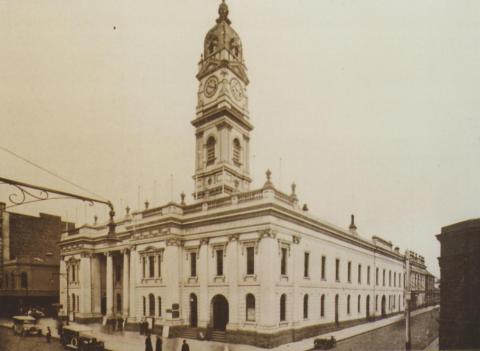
<point x="148" y="343"/>
<point x="185" y="346"/>
<point x="49" y="335"/>
<point x="158" y="344"/>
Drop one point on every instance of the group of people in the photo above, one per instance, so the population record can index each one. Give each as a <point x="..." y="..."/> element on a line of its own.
<point x="159" y="344"/>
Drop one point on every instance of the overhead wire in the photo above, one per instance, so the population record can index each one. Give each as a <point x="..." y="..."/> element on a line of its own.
<point x="49" y="172"/>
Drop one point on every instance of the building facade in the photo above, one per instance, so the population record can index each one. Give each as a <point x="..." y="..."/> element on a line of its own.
<point x="236" y="265"/>
<point x="29" y="261"/>
<point x="460" y="286"/>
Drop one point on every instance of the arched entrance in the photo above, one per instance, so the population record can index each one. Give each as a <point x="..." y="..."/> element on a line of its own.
<point x="384" y="312"/>
<point x="219" y="312"/>
<point x="336" y="309"/>
<point x="193" y="311"/>
<point x="367" y="309"/>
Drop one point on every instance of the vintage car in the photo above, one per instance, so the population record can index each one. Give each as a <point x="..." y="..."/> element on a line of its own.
<point x="324" y="343"/>
<point x="81" y="338"/>
<point x="26" y="325"/>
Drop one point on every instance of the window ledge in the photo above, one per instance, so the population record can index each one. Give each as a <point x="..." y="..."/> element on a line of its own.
<point x="219" y="278"/>
<point x="191" y="280"/>
<point x="284" y="277"/>
<point x="250" y="277"/>
<point x="283" y="323"/>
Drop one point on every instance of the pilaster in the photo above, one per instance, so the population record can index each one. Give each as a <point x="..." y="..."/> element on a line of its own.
<point x="85" y="284"/>
<point x="204" y="304"/>
<point x="268" y="253"/>
<point x="126" y="283"/>
<point x="232" y="255"/>
<point x="109" y="284"/>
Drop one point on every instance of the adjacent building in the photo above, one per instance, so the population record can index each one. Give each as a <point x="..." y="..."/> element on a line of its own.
<point x="238" y="264"/>
<point x="29" y="261"/>
<point x="460" y="286"/>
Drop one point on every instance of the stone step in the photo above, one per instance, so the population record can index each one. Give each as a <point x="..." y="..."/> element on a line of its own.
<point x="219" y="336"/>
<point x="189" y="333"/>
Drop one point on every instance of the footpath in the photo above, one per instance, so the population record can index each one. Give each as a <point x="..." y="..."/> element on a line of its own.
<point x="129" y="341"/>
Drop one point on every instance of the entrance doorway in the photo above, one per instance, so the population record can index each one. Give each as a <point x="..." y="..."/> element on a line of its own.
<point x="367" y="309"/>
<point x="336" y="309"/>
<point x="220" y="312"/>
<point x="193" y="311"/>
<point x="103" y="305"/>
<point x="384" y="312"/>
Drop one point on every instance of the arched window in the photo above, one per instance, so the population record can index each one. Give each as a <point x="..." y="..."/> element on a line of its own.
<point x="348" y="304"/>
<point x="24" y="280"/>
<point x="119" y="303"/>
<point x="73" y="302"/>
<point x="212" y="45"/>
<point x="322" y="306"/>
<point x="236" y="152"/>
<point x="144" y="306"/>
<point x="211" y="151"/>
<point x="305" y="306"/>
<point x="283" y="308"/>
<point x="159" y="306"/>
<point x="78" y="303"/>
<point x="359" y="303"/>
<point x="151" y="305"/>
<point x="250" y="311"/>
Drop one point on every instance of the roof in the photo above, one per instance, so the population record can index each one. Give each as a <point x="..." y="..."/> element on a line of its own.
<point x="25" y="318"/>
<point x="78" y="328"/>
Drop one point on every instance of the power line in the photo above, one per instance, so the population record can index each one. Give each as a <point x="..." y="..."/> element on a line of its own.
<point x="49" y="172"/>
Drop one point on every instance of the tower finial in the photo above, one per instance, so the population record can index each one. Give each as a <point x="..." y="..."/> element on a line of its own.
<point x="223" y="13"/>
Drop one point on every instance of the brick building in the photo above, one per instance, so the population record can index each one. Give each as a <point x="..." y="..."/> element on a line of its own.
<point x="460" y="285"/>
<point x="29" y="256"/>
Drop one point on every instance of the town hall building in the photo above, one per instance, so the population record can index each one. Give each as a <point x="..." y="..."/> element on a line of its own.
<point x="237" y="264"/>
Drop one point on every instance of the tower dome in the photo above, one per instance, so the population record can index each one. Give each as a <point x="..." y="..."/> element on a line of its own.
<point x="223" y="36"/>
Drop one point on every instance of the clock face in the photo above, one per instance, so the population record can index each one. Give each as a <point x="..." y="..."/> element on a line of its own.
<point x="211" y="86"/>
<point x="236" y="88"/>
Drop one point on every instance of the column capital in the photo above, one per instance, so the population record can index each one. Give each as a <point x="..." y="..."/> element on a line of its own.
<point x="296" y="239"/>
<point x="204" y="241"/>
<point x="268" y="233"/>
<point x="86" y="254"/>
<point x="233" y="237"/>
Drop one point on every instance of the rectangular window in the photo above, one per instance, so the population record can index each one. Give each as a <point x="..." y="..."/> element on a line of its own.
<point x="219" y="262"/>
<point x="151" y="266"/>
<point x="349" y="272"/>
<point x="394" y="279"/>
<point x="359" y="274"/>
<point x="384" y="277"/>
<point x="250" y="260"/>
<point x="368" y="275"/>
<point x="324" y="261"/>
<point x="283" y="264"/>
<point x="306" y="265"/>
<point x="118" y="273"/>
<point x="193" y="264"/>
<point x="376" y="276"/>
<point x="337" y="270"/>
<point x="389" y="278"/>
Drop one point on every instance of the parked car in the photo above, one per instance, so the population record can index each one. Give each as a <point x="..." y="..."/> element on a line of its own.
<point x="324" y="343"/>
<point x="25" y="325"/>
<point x="81" y="338"/>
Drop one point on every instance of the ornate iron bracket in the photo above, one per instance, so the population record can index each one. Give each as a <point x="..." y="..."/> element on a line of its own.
<point x="25" y="192"/>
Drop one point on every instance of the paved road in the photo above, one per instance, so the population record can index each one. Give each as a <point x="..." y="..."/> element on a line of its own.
<point x="392" y="337"/>
<point x="10" y="342"/>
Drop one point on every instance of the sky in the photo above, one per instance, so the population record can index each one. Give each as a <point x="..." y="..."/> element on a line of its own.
<point x="370" y="107"/>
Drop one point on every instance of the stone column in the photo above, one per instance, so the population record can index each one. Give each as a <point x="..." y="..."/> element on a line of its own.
<point x="126" y="283"/>
<point x="109" y="284"/>
<point x="203" y="307"/>
<point x="134" y="263"/>
<point x="172" y="278"/>
<point x="232" y="278"/>
<point x="85" y="285"/>
<point x="296" y="276"/>
<point x="268" y="253"/>
<point x="96" y="286"/>
<point x="63" y="284"/>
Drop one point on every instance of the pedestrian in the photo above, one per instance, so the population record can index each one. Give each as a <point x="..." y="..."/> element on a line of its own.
<point x="49" y="335"/>
<point x="185" y="346"/>
<point x="148" y="343"/>
<point x="158" y="344"/>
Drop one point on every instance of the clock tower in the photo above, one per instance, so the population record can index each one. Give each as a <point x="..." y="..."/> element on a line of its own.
<point x="222" y="121"/>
